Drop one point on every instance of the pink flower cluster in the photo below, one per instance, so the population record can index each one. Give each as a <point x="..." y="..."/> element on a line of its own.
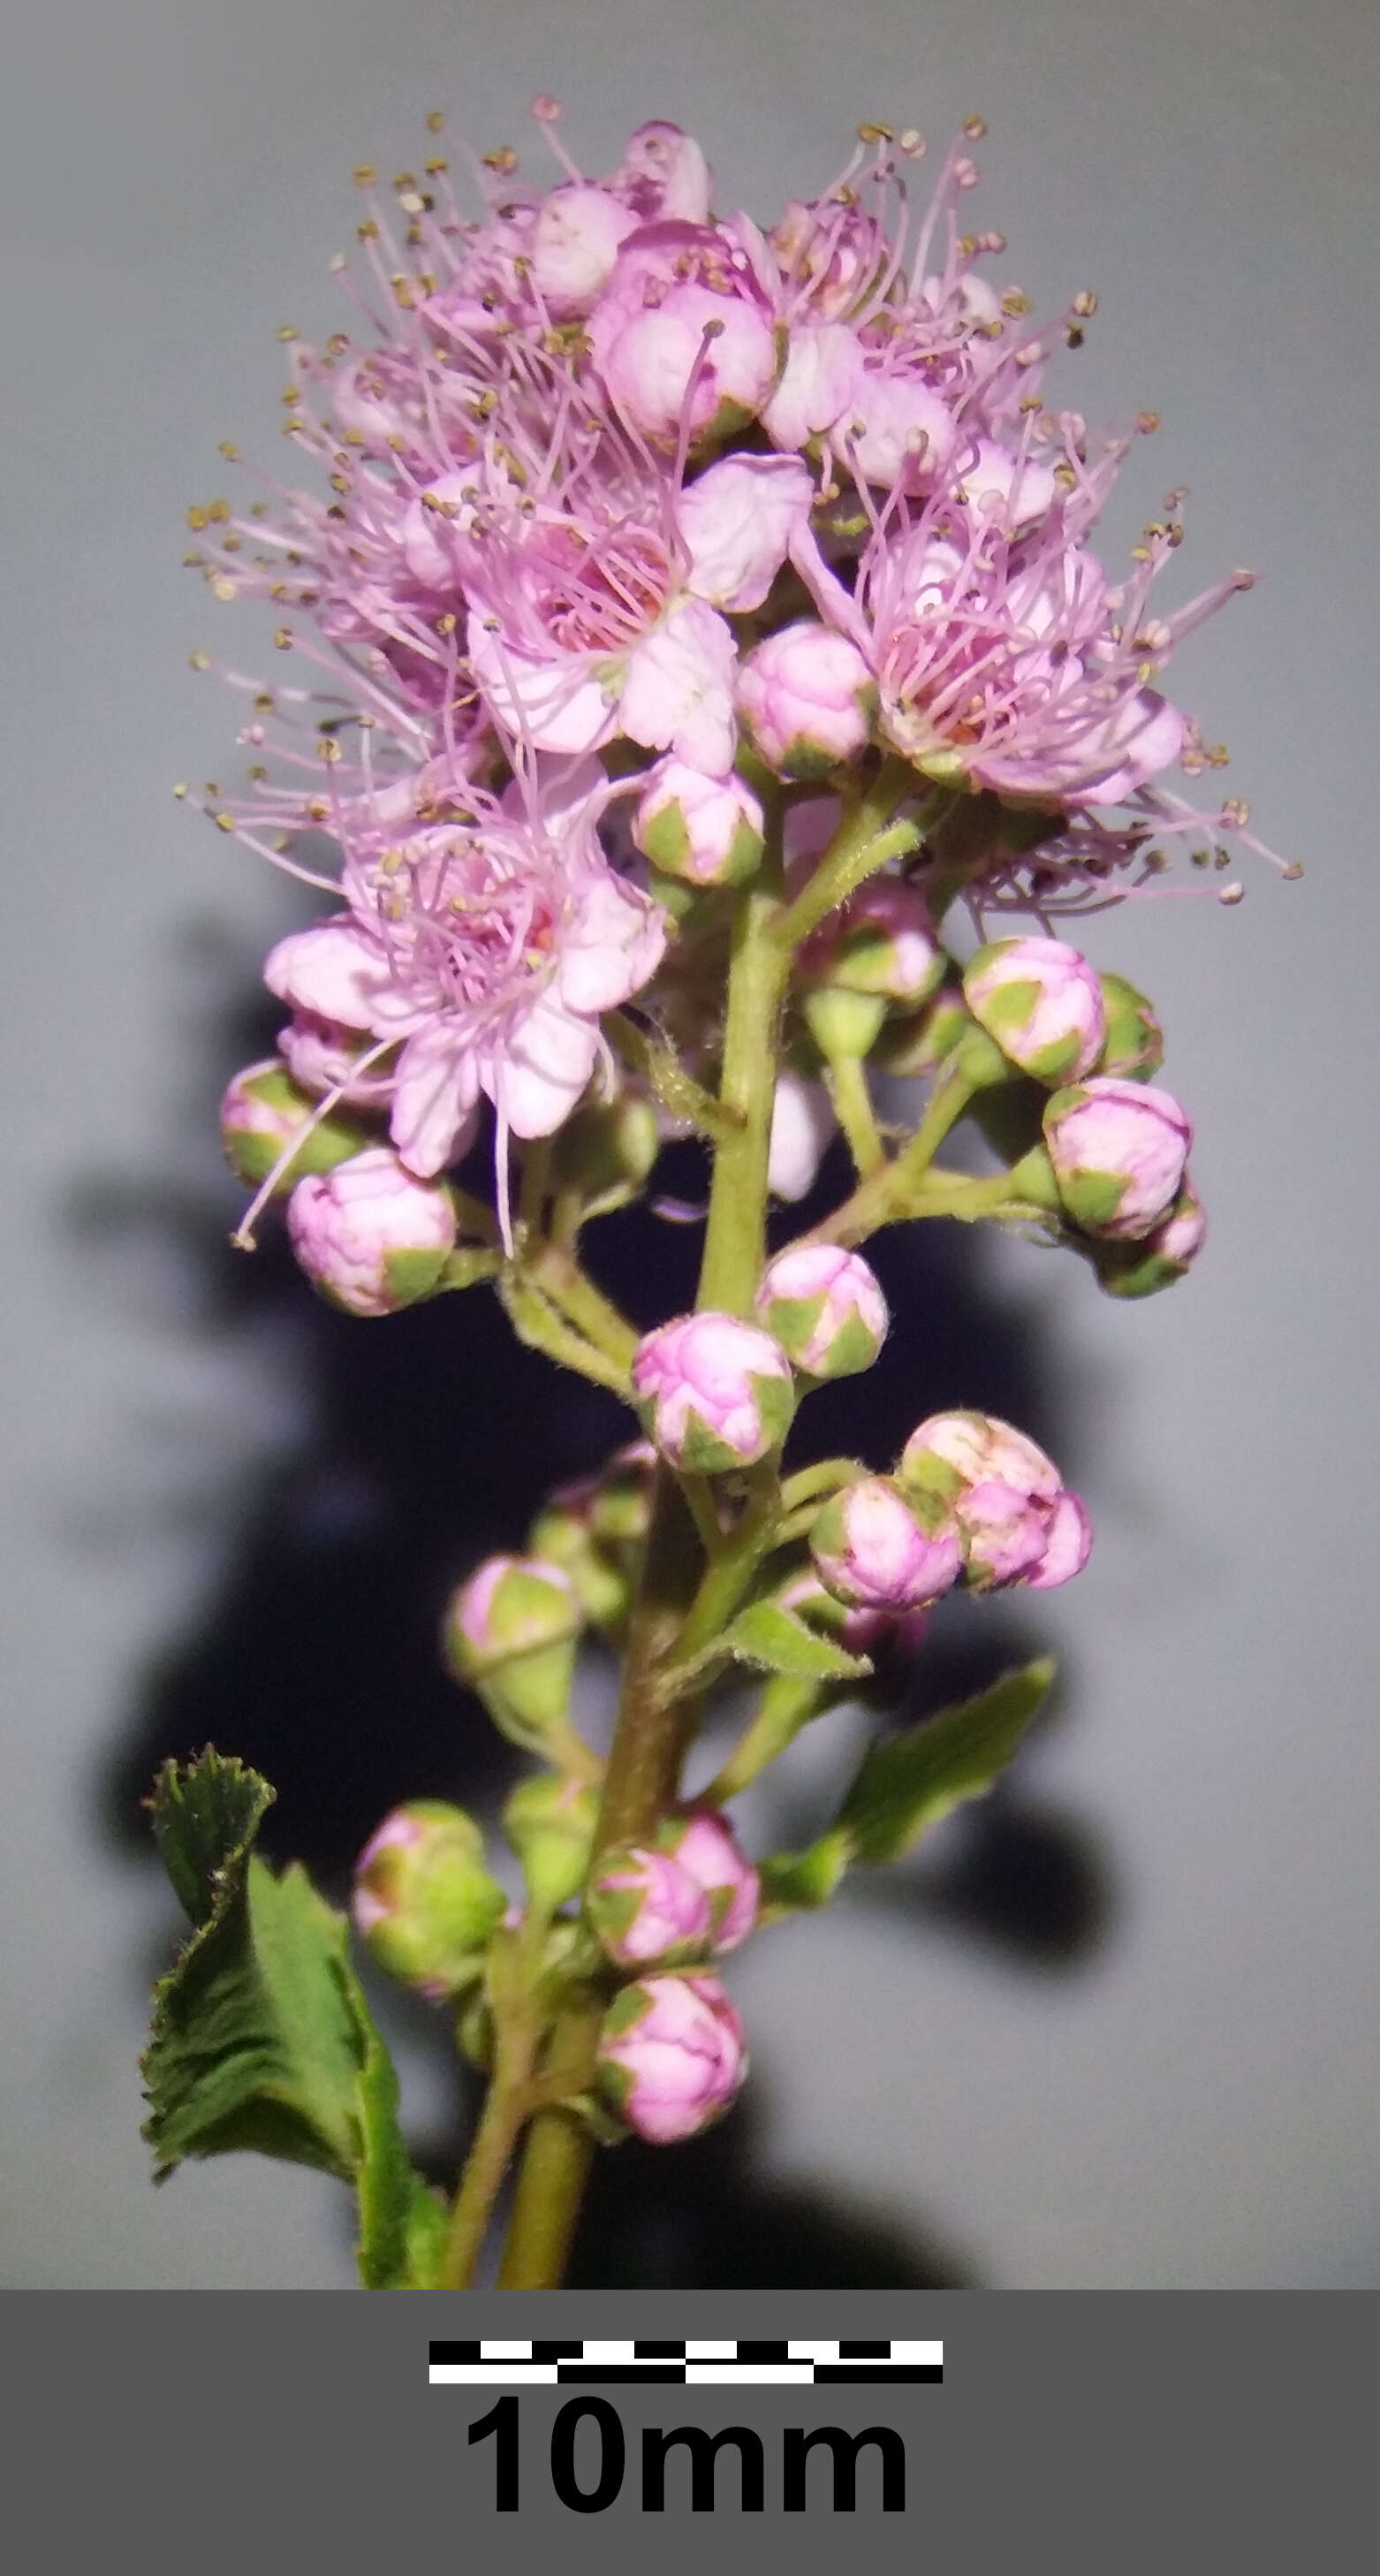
<point x="574" y="445"/>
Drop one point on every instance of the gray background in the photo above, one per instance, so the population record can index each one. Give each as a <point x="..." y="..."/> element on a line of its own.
<point x="1198" y="2108"/>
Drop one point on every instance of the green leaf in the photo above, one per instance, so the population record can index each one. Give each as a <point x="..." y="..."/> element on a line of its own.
<point x="261" y="2035"/>
<point x="204" y="1819"/>
<point x="906" y="1783"/>
<point x="777" y="1641"/>
<point x="793" y="1880"/>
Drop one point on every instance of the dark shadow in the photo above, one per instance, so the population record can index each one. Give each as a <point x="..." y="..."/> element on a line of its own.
<point x="429" y="1440"/>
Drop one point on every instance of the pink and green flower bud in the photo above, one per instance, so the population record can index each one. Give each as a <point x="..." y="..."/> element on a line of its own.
<point x="880" y="943"/>
<point x="646" y="1909"/>
<point x="423" y="1902"/>
<point x="1119" y="1151"/>
<point x="703" y="1844"/>
<point x="923" y="1041"/>
<point x="550" y="1823"/>
<point x="369" y="1235"/>
<point x="510" y="1632"/>
<point x="263" y="1111"/>
<point x="672" y="2054"/>
<point x="620" y="1505"/>
<point x="877" y="1550"/>
<point x="718" y="1393"/>
<point x="808" y="699"/>
<point x="1017" y="1522"/>
<point x="1041" y="1002"/>
<point x="825" y="1307"/>
<point x="562" y="1534"/>
<point x="950" y="1452"/>
<point x="704" y="831"/>
<point x="1162" y="1256"/>
<point x="1133" y="1049"/>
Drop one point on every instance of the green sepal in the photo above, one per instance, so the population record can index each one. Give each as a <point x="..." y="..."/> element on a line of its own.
<point x="414" y="1274"/>
<point x="907" y="1783"/>
<point x="261" y="2038"/>
<point x="1133" y="1047"/>
<point x="334" y="1139"/>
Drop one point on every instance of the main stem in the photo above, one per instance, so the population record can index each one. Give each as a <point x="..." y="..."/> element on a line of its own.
<point x="651" y="1735"/>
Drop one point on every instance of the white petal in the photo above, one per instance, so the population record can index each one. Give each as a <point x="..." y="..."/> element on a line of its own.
<point x="434" y="1100"/>
<point x="335" y="971"/>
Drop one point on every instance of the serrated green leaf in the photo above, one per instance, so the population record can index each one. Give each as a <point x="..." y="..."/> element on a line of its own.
<point x="205" y="1816"/>
<point x="777" y="1641"/>
<point x="907" y="1783"/>
<point x="261" y="2037"/>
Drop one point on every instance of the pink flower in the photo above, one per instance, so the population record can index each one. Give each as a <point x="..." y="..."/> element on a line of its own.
<point x="703" y="1845"/>
<point x="808" y="699"/>
<point x="707" y="831"/>
<point x="671" y="283"/>
<point x="824" y="1305"/>
<point x="874" y="1553"/>
<point x="1011" y="664"/>
<point x="371" y="1236"/>
<point x="575" y="241"/>
<point x="664" y="176"/>
<point x="486" y="952"/>
<point x="672" y="2054"/>
<point x="645" y="1906"/>
<point x="719" y="1391"/>
<point x="1119" y="1151"/>
<point x="1041" y="1002"/>
<point x="601" y="613"/>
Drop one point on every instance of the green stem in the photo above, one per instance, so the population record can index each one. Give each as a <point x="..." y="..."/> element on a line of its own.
<point x="785" y="1706"/>
<point x="889" y="1194"/>
<point x="864" y="841"/>
<point x="560" y="1277"/>
<point x="852" y="1099"/>
<point x="555" y="2165"/>
<point x="736" y="1233"/>
<point x="537" y="1322"/>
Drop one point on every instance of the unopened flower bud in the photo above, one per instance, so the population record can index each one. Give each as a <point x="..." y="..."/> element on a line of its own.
<point x="510" y="1632"/>
<point x="1041" y="1002"/>
<point x="423" y="1901"/>
<point x="263" y="1111"/>
<point x="1017" y="1522"/>
<point x="874" y="954"/>
<point x="550" y="1823"/>
<point x="808" y="698"/>
<point x="703" y="1844"/>
<point x="1133" y="1048"/>
<point x="1162" y="1256"/>
<point x="370" y="1236"/>
<point x="645" y="1907"/>
<point x="802" y="1126"/>
<point x="672" y="2053"/>
<point x="1119" y="1150"/>
<point x="877" y="1551"/>
<point x="858" y="1630"/>
<point x="575" y="242"/>
<point x="718" y="1391"/>
<point x="924" y="1040"/>
<point x="562" y="1534"/>
<point x="825" y="1307"/>
<point x="706" y="831"/>
<point x="606" y="1150"/>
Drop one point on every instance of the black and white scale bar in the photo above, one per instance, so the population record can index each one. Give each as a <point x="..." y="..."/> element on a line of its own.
<point x="807" y="2361"/>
